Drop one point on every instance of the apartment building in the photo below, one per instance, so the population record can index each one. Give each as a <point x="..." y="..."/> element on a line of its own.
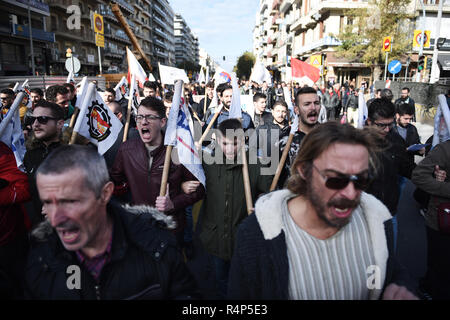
<point x="302" y="28"/>
<point x="15" y="48"/>
<point x="186" y="43"/>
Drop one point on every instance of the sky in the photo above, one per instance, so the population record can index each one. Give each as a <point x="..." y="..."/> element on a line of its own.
<point x="223" y="27"/>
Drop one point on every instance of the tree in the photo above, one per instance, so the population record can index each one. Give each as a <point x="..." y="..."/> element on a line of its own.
<point x="362" y="38"/>
<point x="244" y="65"/>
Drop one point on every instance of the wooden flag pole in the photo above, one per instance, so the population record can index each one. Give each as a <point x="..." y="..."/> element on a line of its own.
<point x="204" y="106"/>
<point x="216" y="115"/>
<point x="247" y="189"/>
<point x="119" y="16"/>
<point x="165" y="175"/>
<point x="73" y="137"/>
<point x="281" y="164"/>
<point x="74" y="117"/>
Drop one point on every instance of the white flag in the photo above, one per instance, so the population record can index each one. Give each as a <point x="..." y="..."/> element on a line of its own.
<point x="288" y="99"/>
<point x="151" y="77"/>
<point x="169" y="75"/>
<point x="363" y="113"/>
<point x="221" y="76"/>
<point x="179" y="135"/>
<point x="207" y="75"/>
<point x="25" y="87"/>
<point x="135" y="68"/>
<point x="120" y="88"/>
<point x="294" y="125"/>
<point x="81" y="91"/>
<point x="11" y="131"/>
<point x="441" y="122"/>
<point x="70" y="78"/>
<point x="260" y="73"/>
<point x="201" y="77"/>
<point x="235" y="108"/>
<point x="96" y="122"/>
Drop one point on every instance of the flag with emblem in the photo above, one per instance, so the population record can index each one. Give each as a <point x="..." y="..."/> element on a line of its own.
<point x="121" y="88"/>
<point x="221" y="76"/>
<point x="179" y="135"/>
<point x="96" y="121"/>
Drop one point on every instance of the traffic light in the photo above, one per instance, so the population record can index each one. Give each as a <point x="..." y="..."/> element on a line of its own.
<point x="428" y="63"/>
<point x="421" y="63"/>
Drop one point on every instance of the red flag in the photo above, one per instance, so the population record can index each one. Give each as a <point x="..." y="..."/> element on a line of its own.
<point x="304" y="72"/>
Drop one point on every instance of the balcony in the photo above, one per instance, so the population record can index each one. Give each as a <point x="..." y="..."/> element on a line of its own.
<point x="285" y="5"/>
<point x="159" y="42"/>
<point x="118" y="35"/>
<point x="324" y="42"/>
<point x="275" y="7"/>
<point x="161" y="54"/>
<point x="263" y="6"/>
<point x="160" y="32"/>
<point x="159" y="21"/>
<point x="159" y="10"/>
<point x="124" y="5"/>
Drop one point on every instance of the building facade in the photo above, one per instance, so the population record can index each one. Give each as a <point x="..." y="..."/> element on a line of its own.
<point x="15" y="48"/>
<point x="186" y="43"/>
<point x="305" y="28"/>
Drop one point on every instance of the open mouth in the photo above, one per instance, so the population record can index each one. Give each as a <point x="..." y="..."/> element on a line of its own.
<point x="312" y="116"/>
<point x="145" y="133"/>
<point x="69" y="236"/>
<point x="341" y="212"/>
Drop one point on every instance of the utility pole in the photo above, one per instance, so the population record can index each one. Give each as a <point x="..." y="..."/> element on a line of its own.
<point x="33" y="68"/>
<point x="422" y="38"/>
<point x="434" y="76"/>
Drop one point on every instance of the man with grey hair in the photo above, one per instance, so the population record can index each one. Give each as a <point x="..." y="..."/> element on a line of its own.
<point x="92" y="248"/>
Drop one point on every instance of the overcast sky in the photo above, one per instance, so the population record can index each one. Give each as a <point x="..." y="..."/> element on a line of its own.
<point x="223" y="27"/>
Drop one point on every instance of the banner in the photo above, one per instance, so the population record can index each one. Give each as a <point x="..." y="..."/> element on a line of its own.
<point x="169" y="75"/>
<point x="96" y="121"/>
<point x="179" y="135"/>
<point x="135" y="68"/>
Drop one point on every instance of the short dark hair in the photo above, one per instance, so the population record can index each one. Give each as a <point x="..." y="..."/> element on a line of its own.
<point x="9" y="92"/>
<point x="387" y="94"/>
<point x="222" y="87"/>
<point x="405" y="108"/>
<point x="210" y="84"/>
<point x="56" y="111"/>
<point x="154" y="104"/>
<point x="69" y="86"/>
<point x="111" y="90"/>
<point x="229" y="124"/>
<point x="381" y="108"/>
<point x="378" y="90"/>
<point x="38" y="91"/>
<point x="304" y="90"/>
<point x="53" y="91"/>
<point x="280" y="103"/>
<point x="405" y="88"/>
<point x="319" y="140"/>
<point x="151" y="84"/>
<point x="258" y="96"/>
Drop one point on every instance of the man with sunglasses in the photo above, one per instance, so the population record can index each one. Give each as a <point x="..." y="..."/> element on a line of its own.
<point x="323" y="238"/>
<point x="393" y="159"/>
<point x="139" y="163"/>
<point x="47" y="121"/>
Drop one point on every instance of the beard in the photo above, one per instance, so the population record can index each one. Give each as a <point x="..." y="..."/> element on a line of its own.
<point x="304" y="118"/>
<point x="322" y="208"/>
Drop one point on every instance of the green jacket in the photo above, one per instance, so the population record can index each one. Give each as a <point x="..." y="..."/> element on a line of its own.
<point x="224" y="205"/>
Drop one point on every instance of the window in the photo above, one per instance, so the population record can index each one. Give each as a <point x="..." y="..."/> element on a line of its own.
<point x="12" y="53"/>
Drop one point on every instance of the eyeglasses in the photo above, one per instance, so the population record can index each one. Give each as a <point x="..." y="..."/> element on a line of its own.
<point x="385" y="125"/>
<point x="360" y="181"/>
<point x="147" y="117"/>
<point x="41" y="119"/>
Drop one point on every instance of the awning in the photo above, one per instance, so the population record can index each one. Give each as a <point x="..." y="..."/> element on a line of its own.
<point x="444" y="61"/>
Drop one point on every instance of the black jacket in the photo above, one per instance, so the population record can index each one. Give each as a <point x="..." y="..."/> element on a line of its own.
<point x="260" y="119"/>
<point x="32" y="160"/>
<point x="260" y="266"/>
<point x="145" y="262"/>
<point x="330" y="102"/>
<point x="393" y="160"/>
<point x="352" y="101"/>
<point x="412" y="137"/>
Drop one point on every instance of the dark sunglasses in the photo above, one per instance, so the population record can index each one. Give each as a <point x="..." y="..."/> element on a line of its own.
<point x="385" y="125"/>
<point x="41" y="119"/>
<point x="360" y="181"/>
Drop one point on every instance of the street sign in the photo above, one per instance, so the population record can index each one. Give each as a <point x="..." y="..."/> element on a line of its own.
<point x="418" y="36"/>
<point x="98" y="23"/>
<point x="395" y="66"/>
<point x="73" y="65"/>
<point x="99" y="40"/>
<point x="316" y="60"/>
<point x="387" y="44"/>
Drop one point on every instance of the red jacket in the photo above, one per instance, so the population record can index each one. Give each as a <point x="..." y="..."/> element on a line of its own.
<point x="131" y="172"/>
<point x="13" y="219"/>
